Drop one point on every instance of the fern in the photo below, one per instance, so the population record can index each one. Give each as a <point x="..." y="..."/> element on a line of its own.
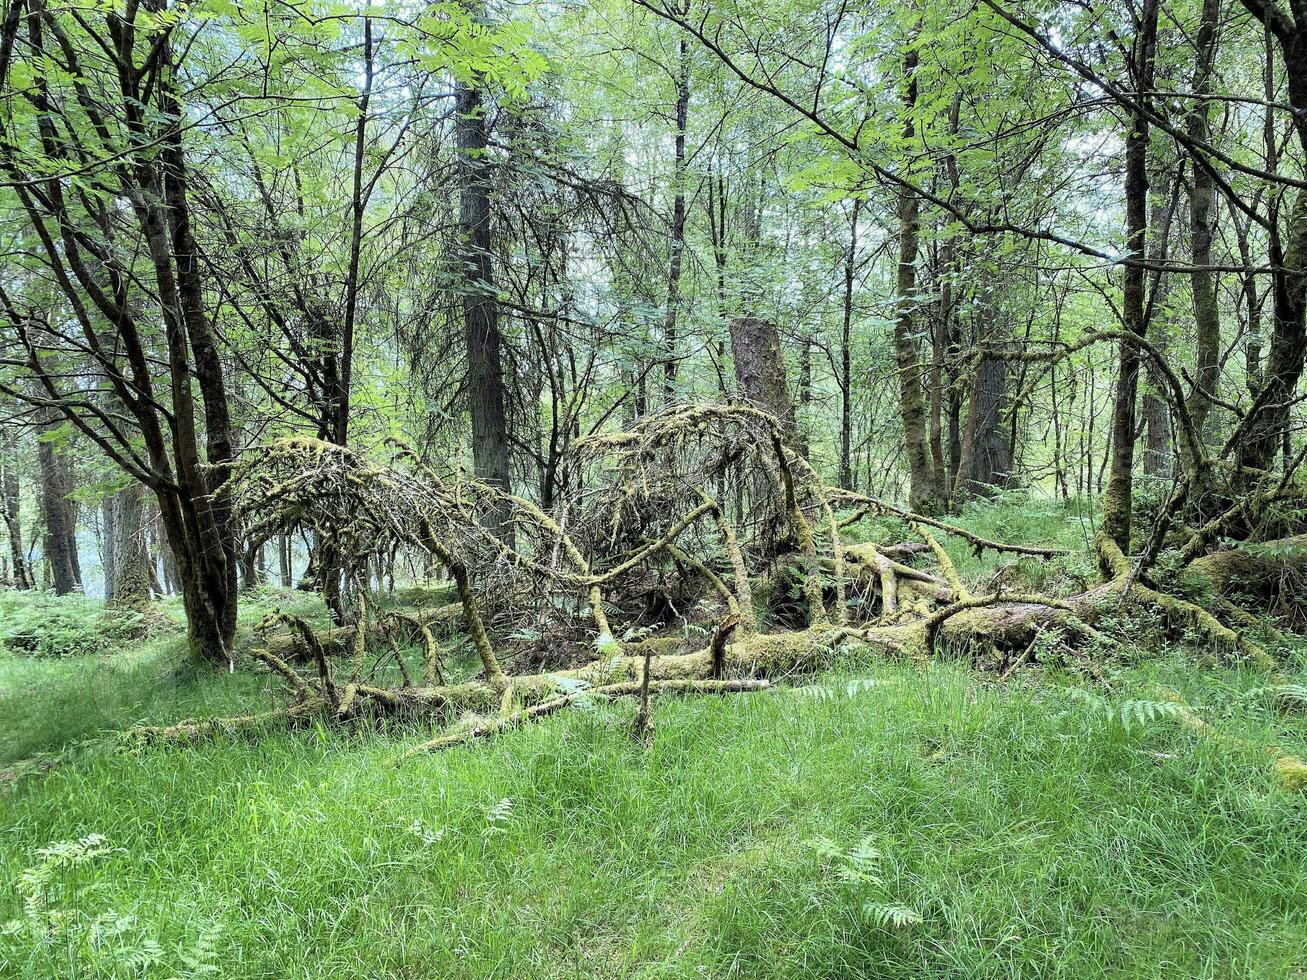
<point x="40" y="883"/>
<point x="429" y="836"/>
<point x="1141" y="713"/>
<point x="1284" y="697"/>
<point x="891" y="916"/>
<point x="202" y="959"/>
<point x="865" y="857"/>
<point x="851" y="689"/>
<point x="826" y="848"/>
<point x="55" y="904"/>
<point x="499" y="816"/>
<point x="569" y="685"/>
<point x="1131" y="713"/>
<point x="856" y="872"/>
<point x="146" y="954"/>
<point x="606" y="645"/>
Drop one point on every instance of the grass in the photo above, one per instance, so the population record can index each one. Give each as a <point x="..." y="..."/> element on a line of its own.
<point x="886" y="821"/>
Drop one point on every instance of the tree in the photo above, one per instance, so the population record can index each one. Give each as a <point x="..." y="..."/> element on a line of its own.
<point x="1117" y="498"/>
<point x="11" y="507"/>
<point x="1268" y="423"/>
<point x="924" y="486"/>
<point x="96" y="163"/>
<point x="845" y="378"/>
<point x="481" y="335"/>
<point x="128" y="566"/>
<point x="1207" y="322"/>
<point x="58" y="511"/>
<point x="676" y="244"/>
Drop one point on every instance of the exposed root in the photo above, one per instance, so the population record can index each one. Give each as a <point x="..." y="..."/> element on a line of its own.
<point x="337" y="639"/>
<point x="980" y="544"/>
<point x="646" y="517"/>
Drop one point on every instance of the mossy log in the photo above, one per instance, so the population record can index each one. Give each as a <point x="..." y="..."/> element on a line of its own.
<point x="1260" y="569"/>
<point x="1003" y="621"/>
<point x="646" y="512"/>
<point x="754" y="659"/>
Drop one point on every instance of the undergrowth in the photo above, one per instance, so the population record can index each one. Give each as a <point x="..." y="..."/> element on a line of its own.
<point x="881" y="820"/>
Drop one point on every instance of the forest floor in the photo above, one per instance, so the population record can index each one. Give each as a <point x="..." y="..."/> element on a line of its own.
<point x="881" y="820"/>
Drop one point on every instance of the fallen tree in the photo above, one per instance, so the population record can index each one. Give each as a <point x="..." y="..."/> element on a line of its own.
<point x="654" y="521"/>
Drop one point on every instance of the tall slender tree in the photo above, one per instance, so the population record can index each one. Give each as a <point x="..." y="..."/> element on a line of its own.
<point x="481" y="332"/>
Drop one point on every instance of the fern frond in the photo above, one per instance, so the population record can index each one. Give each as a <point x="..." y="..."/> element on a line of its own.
<point x="891" y="916"/>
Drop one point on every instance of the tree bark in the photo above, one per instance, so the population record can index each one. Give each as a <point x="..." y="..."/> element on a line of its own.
<point x="676" y="255"/>
<point x="1156" y="409"/>
<point x="1118" y="497"/>
<point x="987" y="458"/>
<point x="1267" y="427"/>
<point x="922" y="491"/>
<point x="208" y="561"/>
<point x="127" y="583"/>
<point x="1207" y="321"/>
<point x="358" y="201"/>
<point x="283" y="560"/>
<point x="59" y="513"/>
<point x="760" y="369"/>
<point x="11" y="507"/>
<point x="846" y="353"/>
<point x="485" y="379"/>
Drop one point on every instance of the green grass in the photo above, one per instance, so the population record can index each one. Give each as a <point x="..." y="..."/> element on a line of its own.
<point x="1034" y="828"/>
<point x="1034" y="835"/>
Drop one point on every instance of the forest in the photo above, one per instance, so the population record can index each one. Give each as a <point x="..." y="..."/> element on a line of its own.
<point x="653" y="488"/>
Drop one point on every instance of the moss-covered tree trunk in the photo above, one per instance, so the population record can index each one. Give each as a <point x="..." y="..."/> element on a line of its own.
<point x="922" y="490"/>
<point x="1118" y="496"/>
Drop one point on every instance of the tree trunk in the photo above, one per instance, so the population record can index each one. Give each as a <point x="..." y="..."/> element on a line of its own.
<point x="986" y="452"/>
<point x="108" y="542"/>
<point x="1267" y="426"/>
<point x="805" y="395"/>
<point x="196" y="516"/>
<point x="11" y="507"/>
<point x="1284" y="360"/>
<point x="485" y="379"/>
<point x="358" y="201"/>
<point x="938" y="348"/>
<point x="1207" y="322"/>
<point x="172" y="580"/>
<point x="283" y="560"/>
<point x="1156" y="409"/>
<point x="249" y="569"/>
<point x="127" y="541"/>
<point x="922" y="493"/>
<point x="846" y="353"/>
<point x="1118" y="497"/>
<point x="676" y="253"/>
<point x="760" y="369"/>
<point x="59" y="513"/>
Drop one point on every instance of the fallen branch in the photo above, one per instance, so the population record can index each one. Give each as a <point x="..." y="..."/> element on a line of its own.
<point x="485" y="729"/>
